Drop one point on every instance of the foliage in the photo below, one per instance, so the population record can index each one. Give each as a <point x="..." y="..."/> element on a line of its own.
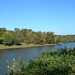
<point x="34" y="42"/>
<point x="44" y="40"/>
<point x="28" y="36"/>
<point x="38" y="37"/>
<point x="8" y="40"/>
<point x="2" y="34"/>
<point x="50" y="38"/>
<point x="59" y="62"/>
<point x="17" y="40"/>
<point x="11" y="39"/>
<point x="31" y="36"/>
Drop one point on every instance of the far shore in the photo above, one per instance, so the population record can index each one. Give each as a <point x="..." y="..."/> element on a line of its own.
<point x="25" y="46"/>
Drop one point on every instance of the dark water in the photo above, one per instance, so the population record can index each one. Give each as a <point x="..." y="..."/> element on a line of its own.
<point x="26" y="54"/>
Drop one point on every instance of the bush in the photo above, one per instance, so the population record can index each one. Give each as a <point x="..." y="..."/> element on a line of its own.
<point x="50" y="63"/>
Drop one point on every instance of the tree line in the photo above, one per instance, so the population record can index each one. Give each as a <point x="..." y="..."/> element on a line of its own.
<point x="9" y="37"/>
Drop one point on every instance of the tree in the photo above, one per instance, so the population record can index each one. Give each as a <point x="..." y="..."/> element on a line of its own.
<point x="28" y="36"/>
<point x="59" y="39"/>
<point x="2" y="30"/>
<point x="44" y="40"/>
<point x="11" y="39"/>
<point x="50" y="37"/>
<point x="23" y="34"/>
<point x="2" y="34"/>
<point x="17" y="31"/>
<point x="17" y="40"/>
<point x="8" y="40"/>
<point x="38" y="37"/>
<point x="29" y="30"/>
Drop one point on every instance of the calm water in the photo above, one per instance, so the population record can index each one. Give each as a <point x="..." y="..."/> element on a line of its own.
<point x="25" y="53"/>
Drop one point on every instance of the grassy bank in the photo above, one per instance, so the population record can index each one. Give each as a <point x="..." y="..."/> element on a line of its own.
<point x="24" y="46"/>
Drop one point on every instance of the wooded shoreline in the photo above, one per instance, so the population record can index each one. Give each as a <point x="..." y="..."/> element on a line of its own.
<point x="26" y="46"/>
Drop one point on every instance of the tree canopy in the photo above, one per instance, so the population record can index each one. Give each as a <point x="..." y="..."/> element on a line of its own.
<point x="17" y="36"/>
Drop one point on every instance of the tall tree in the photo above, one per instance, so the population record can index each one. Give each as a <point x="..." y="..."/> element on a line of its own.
<point x="50" y="37"/>
<point x="2" y="34"/>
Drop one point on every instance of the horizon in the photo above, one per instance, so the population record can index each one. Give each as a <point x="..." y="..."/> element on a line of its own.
<point x="40" y="31"/>
<point x="40" y="15"/>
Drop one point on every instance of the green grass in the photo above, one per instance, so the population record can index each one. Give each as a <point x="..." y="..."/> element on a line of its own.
<point x="24" y="46"/>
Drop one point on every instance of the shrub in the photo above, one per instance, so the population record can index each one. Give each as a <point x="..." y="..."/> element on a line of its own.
<point x="50" y="63"/>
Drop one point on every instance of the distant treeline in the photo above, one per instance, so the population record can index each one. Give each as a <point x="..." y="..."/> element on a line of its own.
<point x="9" y="37"/>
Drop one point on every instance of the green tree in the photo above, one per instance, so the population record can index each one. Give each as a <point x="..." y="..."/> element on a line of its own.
<point x="16" y="38"/>
<point x="50" y="37"/>
<point x="17" y="31"/>
<point x="23" y="34"/>
<point x="17" y="41"/>
<point x="11" y="39"/>
<point x="8" y="40"/>
<point x="38" y="37"/>
<point x="28" y="36"/>
<point x="2" y="34"/>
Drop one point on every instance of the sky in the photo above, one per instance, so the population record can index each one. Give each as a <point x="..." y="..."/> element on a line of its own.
<point x="39" y="15"/>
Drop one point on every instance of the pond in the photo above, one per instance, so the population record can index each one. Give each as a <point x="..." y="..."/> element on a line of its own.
<point x="26" y="54"/>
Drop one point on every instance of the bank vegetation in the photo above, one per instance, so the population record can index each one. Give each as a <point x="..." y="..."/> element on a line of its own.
<point x="58" y="62"/>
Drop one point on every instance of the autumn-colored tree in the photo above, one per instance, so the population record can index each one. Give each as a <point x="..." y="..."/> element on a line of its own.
<point x="44" y="40"/>
<point x="34" y="42"/>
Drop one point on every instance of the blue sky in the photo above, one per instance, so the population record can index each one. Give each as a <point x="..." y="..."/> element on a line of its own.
<point x="39" y="15"/>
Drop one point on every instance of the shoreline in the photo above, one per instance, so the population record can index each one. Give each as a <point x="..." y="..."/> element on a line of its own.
<point x="26" y="46"/>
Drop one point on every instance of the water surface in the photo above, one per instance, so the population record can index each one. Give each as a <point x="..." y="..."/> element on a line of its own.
<point x="26" y="54"/>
